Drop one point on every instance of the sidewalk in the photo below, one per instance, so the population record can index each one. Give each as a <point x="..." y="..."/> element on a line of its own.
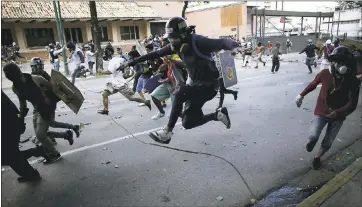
<point x="345" y="189"/>
<point x="336" y="184"/>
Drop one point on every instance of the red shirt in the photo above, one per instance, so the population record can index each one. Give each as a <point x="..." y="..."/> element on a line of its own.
<point x="343" y="100"/>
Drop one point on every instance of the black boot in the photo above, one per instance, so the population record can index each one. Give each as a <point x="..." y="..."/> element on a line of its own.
<point x="34" y="177"/>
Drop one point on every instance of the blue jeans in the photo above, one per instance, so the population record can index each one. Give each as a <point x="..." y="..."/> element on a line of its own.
<point x="317" y="125"/>
<point x="56" y="65"/>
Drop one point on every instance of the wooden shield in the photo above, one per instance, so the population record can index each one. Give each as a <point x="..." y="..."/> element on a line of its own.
<point x="66" y="91"/>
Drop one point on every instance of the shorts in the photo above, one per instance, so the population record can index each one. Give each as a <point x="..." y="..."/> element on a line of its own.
<point x="141" y="84"/>
<point x="124" y="90"/>
<point x="162" y="92"/>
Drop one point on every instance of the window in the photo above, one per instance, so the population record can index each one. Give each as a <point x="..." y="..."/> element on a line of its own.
<point x="73" y="34"/>
<point x="39" y="37"/>
<point x="129" y="33"/>
<point x="104" y="34"/>
<point x="6" y="37"/>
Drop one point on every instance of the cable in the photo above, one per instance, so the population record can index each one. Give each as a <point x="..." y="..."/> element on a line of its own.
<point x="191" y="152"/>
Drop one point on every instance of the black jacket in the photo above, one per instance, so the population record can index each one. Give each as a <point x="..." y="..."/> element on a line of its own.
<point x="309" y="50"/>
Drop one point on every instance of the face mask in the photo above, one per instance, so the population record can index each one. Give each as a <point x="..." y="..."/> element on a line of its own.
<point x="175" y="41"/>
<point x="338" y="69"/>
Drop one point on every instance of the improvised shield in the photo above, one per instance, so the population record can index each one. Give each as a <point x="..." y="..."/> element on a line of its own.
<point x="140" y="48"/>
<point x="66" y="91"/>
<point x="153" y="83"/>
<point x="226" y="65"/>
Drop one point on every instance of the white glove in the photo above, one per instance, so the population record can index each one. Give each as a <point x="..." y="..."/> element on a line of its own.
<point x="299" y="100"/>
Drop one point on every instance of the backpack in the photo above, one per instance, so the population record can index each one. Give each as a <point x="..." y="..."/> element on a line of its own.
<point x="209" y="59"/>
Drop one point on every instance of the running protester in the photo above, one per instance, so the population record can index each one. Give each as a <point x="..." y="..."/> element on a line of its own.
<point x="195" y="51"/>
<point x="338" y="97"/>
<point x="54" y="56"/>
<point x="276" y="58"/>
<point x="37" y="68"/>
<point x="327" y="50"/>
<point x="259" y="50"/>
<point x="310" y="51"/>
<point x="118" y="84"/>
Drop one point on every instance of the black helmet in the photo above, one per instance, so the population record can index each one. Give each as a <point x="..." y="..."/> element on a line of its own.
<point x="176" y="27"/>
<point x="341" y="54"/>
<point x="71" y="45"/>
<point x="51" y="46"/>
<point x="37" y="66"/>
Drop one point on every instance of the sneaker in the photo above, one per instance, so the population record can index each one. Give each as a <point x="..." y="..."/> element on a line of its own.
<point x="142" y="104"/>
<point x="272" y="73"/>
<point x="104" y="112"/>
<point x="158" y="116"/>
<point x="264" y="63"/>
<point x="52" y="157"/>
<point x="164" y="105"/>
<point x="317" y="163"/>
<point x="310" y="146"/>
<point x="77" y="130"/>
<point x="235" y="94"/>
<point x="162" y="136"/>
<point x="223" y="116"/>
<point x="69" y="137"/>
<point x="148" y="104"/>
<point x="256" y="67"/>
<point x="34" y="177"/>
<point x="310" y="72"/>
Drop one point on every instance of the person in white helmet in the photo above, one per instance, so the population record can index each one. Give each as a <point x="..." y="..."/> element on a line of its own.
<point x="327" y="50"/>
<point x="248" y="51"/>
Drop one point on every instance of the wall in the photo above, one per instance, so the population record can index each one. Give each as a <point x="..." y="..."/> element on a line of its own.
<point x="212" y="23"/>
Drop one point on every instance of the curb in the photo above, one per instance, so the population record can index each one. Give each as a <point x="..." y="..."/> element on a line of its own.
<point x="323" y="194"/>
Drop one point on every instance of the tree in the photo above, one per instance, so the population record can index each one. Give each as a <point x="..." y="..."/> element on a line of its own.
<point x="96" y="34"/>
<point x="349" y="4"/>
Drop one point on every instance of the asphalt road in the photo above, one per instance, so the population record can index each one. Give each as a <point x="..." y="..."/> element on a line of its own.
<point x="266" y="143"/>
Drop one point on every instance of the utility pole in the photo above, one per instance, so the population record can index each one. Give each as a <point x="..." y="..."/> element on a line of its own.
<point x="282" y="5"/>
<point x="58" y="21"/>
<point x="237" y="27"/>
<point x="339" y="18"/>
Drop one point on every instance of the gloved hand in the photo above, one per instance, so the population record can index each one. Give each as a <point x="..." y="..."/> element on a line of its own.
<point x="299" y="100"/>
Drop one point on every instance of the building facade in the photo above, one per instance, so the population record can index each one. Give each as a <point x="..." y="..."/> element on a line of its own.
<point x="32" y="24"/>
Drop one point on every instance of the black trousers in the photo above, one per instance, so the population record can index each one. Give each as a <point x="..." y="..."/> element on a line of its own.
<point x="13" y="157"/>
<point x="275" y="65"/>
<point x="194" y="96"/>
<point x="223" y="91"/>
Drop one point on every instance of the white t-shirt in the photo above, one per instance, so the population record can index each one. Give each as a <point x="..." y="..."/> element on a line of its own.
<point x="117" y="76"/>
<point x="90" y="56"/>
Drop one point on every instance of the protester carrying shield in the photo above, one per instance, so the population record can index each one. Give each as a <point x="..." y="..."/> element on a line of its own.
<point x="192" y="49"/>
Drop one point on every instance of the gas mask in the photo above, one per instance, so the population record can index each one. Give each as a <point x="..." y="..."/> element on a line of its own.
<point x="37" y="69"/>
<point x="338" y="69"/>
